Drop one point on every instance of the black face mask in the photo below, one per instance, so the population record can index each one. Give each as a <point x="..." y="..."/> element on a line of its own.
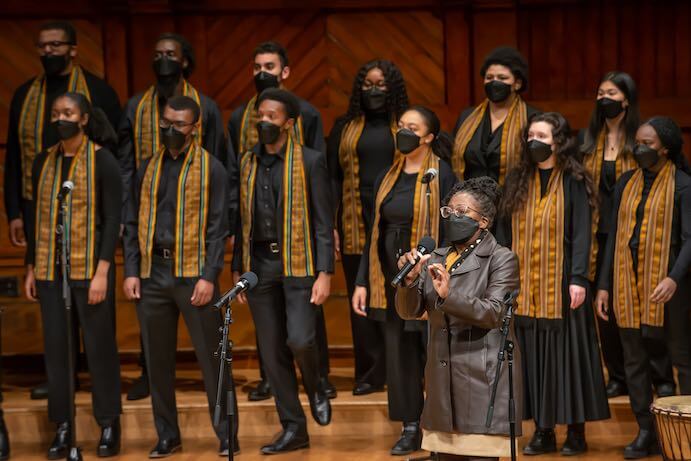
<point x="168" y="73"/>
<point x="374" y="99"/>
<point x="539" y="151"/>
<point x="407" y="141"/>
<point x="268" y="132"/>
<point x="172" y="138"/>
<point x="264" y="80"/>
<point x="459" y="230"/>
<point x="645" y="156"/>
<point x="497" y="91"/>
<point x="66" y="129"/>
<point x="54" y="64"/>
<point x="609" y="107"/>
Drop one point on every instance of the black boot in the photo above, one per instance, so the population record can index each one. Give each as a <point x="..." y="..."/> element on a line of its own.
<point x="543" y="441"/>
<point x="58" y="449"/>
<point x="615" y="389"/>
<point x="410" y="441"/>
<point x="328" y="388"/>
<point x="40" y="392"/>
<point x="261" y="392"/>
<point x="4" y="440"/>
<point x="110" y="440"/>
<point x="320" y="408"/>
<point x="643" y="446"/>
<point x="575" y="443"/>
<point x="140" y="388"/>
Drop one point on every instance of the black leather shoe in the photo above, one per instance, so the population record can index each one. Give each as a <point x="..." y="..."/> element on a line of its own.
<point x="328" y="388"/>
<point x="58" y="449"/>
<point x="40" y="392"/>
<point x="543" y="441"/>
<point x="410" y="441"/>
<point x="615" y="389"/>
<point x="665" y="390"/>
<point x="261" y="392"/>
<point x="223" y="448"/>
<point x="109" y="445"/>
<point x="139" y="389"/>
<point x="320" y="408"/>
<point x="643" y="446"/>
<point x="289" y="439"/>
<point x="4" y="440"/>
<point x="165" y="448"/>
<point x="366" y="388"/>
<point x="575" y="444"/>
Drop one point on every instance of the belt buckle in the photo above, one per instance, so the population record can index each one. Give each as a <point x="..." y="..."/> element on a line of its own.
<point x="167" y="254"/>
<point x="273" y="246"/>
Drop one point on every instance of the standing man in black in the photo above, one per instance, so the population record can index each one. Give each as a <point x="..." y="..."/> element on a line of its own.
<point x="139" y="139"/>
<point x="270" y="69"/>
<point x="286" y="238"/>
<point x="175" y="234"/>
<point x="30" y="132"/>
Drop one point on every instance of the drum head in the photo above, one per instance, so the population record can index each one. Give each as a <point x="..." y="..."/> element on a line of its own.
<point x="676" y="404"/>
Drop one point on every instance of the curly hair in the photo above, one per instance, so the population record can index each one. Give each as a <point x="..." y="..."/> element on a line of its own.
<point x="508" y="57"/>
<point x="396" y="96"/>
<point x="486" y="192"/>
<point x="518" y="179"/>
<point x="187" y="51"/>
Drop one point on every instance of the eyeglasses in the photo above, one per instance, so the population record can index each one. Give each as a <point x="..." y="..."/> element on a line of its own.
<point x="447" y="211"/>
<point x="165" y="124"/>
<point x="51" y="45"/>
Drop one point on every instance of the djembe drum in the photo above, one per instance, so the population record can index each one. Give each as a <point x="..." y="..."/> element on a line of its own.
<point x="673" y="425"/>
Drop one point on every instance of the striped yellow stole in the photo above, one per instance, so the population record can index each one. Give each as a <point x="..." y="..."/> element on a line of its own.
<point x="593" y="163"/>
<point x="248" y="127"/>
<point x="515" y="122"/>
<point x="31" y="121"/>
<point x="80" y="218"/>
<point x="632" y="290"/>
<point x="354" y="233"/>
<point x="421" y="216"/>
<point x="296" y="241"/>
<point x="538" y="240"/>
<point x="146" y="119"/>
<point x="191" y="212"/>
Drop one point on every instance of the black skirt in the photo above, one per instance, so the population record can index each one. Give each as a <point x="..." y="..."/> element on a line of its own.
<point x="562" y="373"/>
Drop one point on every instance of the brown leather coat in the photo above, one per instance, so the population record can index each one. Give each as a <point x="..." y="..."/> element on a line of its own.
<point x="464" y="341"/>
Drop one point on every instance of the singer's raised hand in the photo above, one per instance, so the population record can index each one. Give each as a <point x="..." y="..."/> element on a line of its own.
<point x="242" y="297"/>
<point x="409" y="257"/>
<point x="440" y="279"/>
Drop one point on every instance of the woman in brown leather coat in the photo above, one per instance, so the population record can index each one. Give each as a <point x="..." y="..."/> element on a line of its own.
<point x="461" y="287"/>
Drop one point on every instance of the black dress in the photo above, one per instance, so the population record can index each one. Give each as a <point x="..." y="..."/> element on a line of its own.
<point x="562" y="372"/>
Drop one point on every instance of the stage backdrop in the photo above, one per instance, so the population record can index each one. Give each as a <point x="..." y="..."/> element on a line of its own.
<point x="439" y="46"/>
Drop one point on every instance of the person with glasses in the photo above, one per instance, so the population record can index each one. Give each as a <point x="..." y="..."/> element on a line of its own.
<point x="175" y="234"/>
<point x="401" y="216"/>
<point x="138" y="132"/>
<point x="461" y="287"/>
<point x="546" y="221"/>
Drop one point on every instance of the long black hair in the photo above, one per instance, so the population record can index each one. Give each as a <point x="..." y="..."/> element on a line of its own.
<point x="441" y="145"/>
<point x="98" y="128"/>
<point x="518" y="179"/>
<point x="625" y="83"/>
<point x="396" y="96"/>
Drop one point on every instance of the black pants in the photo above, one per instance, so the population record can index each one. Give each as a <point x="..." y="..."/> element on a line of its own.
<point x="368" y="335"/>
<point x="100" y="345"/>
<point x="678" y="333"/>
<point x="163" y="299"/>
<point x="285" y="321"/>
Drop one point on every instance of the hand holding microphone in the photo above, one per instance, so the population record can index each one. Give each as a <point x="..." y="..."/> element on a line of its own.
<point x="409" y="264"/>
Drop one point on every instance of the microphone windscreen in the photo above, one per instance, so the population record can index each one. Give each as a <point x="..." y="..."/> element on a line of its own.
<point x="251" y="278"/>
<point x="427" y="243"/>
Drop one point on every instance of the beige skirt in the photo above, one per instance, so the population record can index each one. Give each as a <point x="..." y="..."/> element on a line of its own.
<point x="494" y="446"/>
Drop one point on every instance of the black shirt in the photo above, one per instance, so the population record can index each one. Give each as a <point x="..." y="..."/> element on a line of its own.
<point x="648" y="180"/>
<point x="608" y="179"/>
<point x="164" y="235"/>
<point x="544" y="180"/>
<point x="267" y="186"/>
<point x="102" y="96"/>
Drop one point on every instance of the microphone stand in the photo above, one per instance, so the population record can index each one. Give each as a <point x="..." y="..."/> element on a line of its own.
<point x="505" y="351"/>
<point x="226" y="358"/>
<point x="73" y="451"/>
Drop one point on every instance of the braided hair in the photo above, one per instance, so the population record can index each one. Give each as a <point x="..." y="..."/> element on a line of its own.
<point x="396" y="96"/>
<point x="486" y="192"/>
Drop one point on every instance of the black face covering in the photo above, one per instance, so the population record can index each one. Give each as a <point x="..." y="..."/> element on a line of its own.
<point x="172" y="138"/>
<point x="54" y="64"/>
<point x="264" y="80"/>
<point x="459" y="230"/>
<point x="374" y="99"/>
<point x="66" y="129"/>
<point x="268" y="132"/>
<point x="407" y="141"/>
<point x="497" y="91"/>
<point x="609" y="107"/>
<point x="645" y="156"/>
<point x="539" y="151"/>
<point x="168" y="73"/>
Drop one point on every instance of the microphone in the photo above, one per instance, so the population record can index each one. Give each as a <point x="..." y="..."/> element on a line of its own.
<point x="425" y="246"/>
<point x="429" y="176"/>
<point x="510" y="297"/>
<point x="67" y="187"/>
<point x="247" y="281"/>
